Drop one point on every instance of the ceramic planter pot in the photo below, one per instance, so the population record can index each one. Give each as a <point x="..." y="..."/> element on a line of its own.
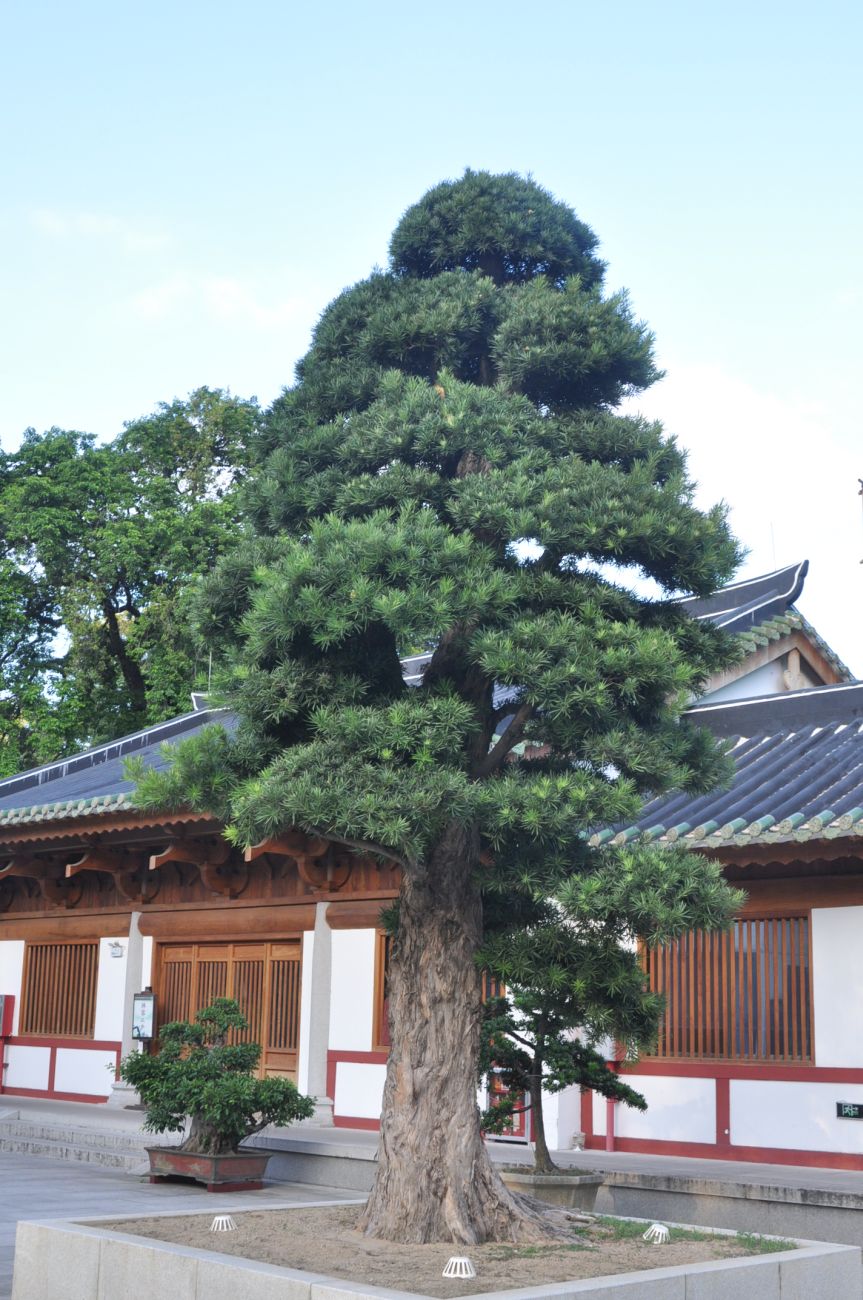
<point x="238" y="1171"/>
<point x="574" y="1191"/>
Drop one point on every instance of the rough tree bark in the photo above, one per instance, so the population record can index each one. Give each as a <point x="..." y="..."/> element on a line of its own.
<point x="204" y="1140"/>
<point x="435" y="1180"/>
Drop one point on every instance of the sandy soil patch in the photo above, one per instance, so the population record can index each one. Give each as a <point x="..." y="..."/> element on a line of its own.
<point x="325" y="1241"/>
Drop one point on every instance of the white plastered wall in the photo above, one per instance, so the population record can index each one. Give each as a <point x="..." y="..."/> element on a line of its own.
<point x="359" y="1089"/>
<point x="568" y="1116"/>
<point x="353" y="984"/>
<point x="837" y="986"/>
<point x="110" y="989"/>
<point x="305" y="1010"/>
<point x="359" y="1084"/>
<point x="678" y="1110"/>
<point x="12" y="973"/>
<point x="795" y="1116"/>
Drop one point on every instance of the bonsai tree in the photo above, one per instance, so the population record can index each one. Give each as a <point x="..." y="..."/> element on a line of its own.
<point x="530" y="1051"/>
<point x="573" y="977"/>
<point x="450" y="468"/>
<point x="198" y="1076"/>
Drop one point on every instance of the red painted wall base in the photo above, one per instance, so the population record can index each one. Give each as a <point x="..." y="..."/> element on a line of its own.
<point x="55" y="1096"/>
<point x="753" y="1155"/>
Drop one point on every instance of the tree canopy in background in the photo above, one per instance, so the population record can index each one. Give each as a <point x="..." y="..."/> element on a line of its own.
<point x="99" y="545"/>
<point x="450" y="470"/>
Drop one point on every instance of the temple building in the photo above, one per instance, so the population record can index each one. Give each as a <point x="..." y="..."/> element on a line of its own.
<point x="761" y="1046"/>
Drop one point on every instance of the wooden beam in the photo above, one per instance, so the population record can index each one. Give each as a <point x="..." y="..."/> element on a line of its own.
<point x="196" y="852"/>
<point x="223" y="921"/>
<point x="288" y="845"/>
<point x="102" y="859"/>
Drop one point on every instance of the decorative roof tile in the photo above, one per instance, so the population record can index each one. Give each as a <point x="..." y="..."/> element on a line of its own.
<point x="798" y="776"/>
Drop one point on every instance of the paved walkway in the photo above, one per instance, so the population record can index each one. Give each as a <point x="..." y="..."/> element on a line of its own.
<point x="33" y="1187"/>
<point x="317" y="1136"/>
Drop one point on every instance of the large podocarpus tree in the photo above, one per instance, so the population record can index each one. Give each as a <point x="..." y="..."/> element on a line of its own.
<point x="449" y="472"/>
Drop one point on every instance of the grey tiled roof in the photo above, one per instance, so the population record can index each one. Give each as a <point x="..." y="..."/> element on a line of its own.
<point x="798" y="760"/>
<point x="744" y="605"/>
<point x="94" y="781"/>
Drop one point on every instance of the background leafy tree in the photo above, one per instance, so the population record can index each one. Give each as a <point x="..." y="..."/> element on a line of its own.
<point x="101" y="542"/>
<point x="450" y="410"/>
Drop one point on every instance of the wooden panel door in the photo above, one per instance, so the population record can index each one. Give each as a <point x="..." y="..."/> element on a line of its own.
<point x="264" y="978"/>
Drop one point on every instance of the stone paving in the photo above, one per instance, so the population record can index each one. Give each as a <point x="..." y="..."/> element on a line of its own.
<point x="33" y="1187"/>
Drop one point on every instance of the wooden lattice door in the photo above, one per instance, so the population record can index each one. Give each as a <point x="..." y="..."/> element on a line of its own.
<point x="264" y="978"/>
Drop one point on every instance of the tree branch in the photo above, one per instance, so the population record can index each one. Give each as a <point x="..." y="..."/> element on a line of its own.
<point x="367" y="846"/>
<point x="510" y="1033"/>
<point x="510" y="737"/>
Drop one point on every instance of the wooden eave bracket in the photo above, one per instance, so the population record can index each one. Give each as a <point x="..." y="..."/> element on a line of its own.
<point x="319" y="864"/>
<point x="55" y="890"/>
<point x="210" y="859"/>
<point x="287" y="845"/>
<point x="129" y="871"/>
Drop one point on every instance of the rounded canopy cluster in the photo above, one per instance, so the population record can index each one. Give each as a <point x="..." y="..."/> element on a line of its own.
<point x="509" y="228"/>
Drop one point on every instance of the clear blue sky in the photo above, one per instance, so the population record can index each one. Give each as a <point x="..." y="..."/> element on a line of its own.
<point x="186" y="185"/>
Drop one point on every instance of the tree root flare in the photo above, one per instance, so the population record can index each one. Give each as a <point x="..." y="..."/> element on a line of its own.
<point x="538" y="1222"/>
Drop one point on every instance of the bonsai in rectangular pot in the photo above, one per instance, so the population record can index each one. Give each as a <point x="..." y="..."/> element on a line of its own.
<point x="201" y="1080"/>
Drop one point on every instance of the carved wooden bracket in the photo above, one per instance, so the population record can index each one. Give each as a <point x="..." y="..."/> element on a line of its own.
<point x="230" y="882"/>
<point x="54" y="888"/>
<point x="129" y="871"/>
<point x="211" y="860"/>
<point x="319" y="863"/>
<point x="7" y="893"/>
<point x="328" y="873"/>
<point x="287" y="846"/>
<point x="198" y="852"/>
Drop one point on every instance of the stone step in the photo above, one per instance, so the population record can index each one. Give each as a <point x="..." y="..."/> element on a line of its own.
<point x="57" y="1149"/>
<point x="103" y="1138"/>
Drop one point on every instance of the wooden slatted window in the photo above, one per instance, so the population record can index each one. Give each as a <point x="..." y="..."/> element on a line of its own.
<point x="249" y="991"/>
<point x="743" y="995"/>
<point x="285" y="1005"/>
<point x="59" y="992"/>
<point x="492" y="987"/>
<point x="212" y="982"/>
<point x="176" y="990"/>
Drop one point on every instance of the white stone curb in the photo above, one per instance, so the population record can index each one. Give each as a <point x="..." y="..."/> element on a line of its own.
<point x="60" y="1260"/>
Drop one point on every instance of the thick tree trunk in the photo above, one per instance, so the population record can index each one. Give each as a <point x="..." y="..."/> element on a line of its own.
<point x="435" y="1180"/>
<point x="204" y="1140"/>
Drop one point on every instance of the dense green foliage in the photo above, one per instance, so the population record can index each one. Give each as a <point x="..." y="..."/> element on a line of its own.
<point x="100" y="543"/>
<point x="198" y="1076"/>
<point x="449" y="407"/>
